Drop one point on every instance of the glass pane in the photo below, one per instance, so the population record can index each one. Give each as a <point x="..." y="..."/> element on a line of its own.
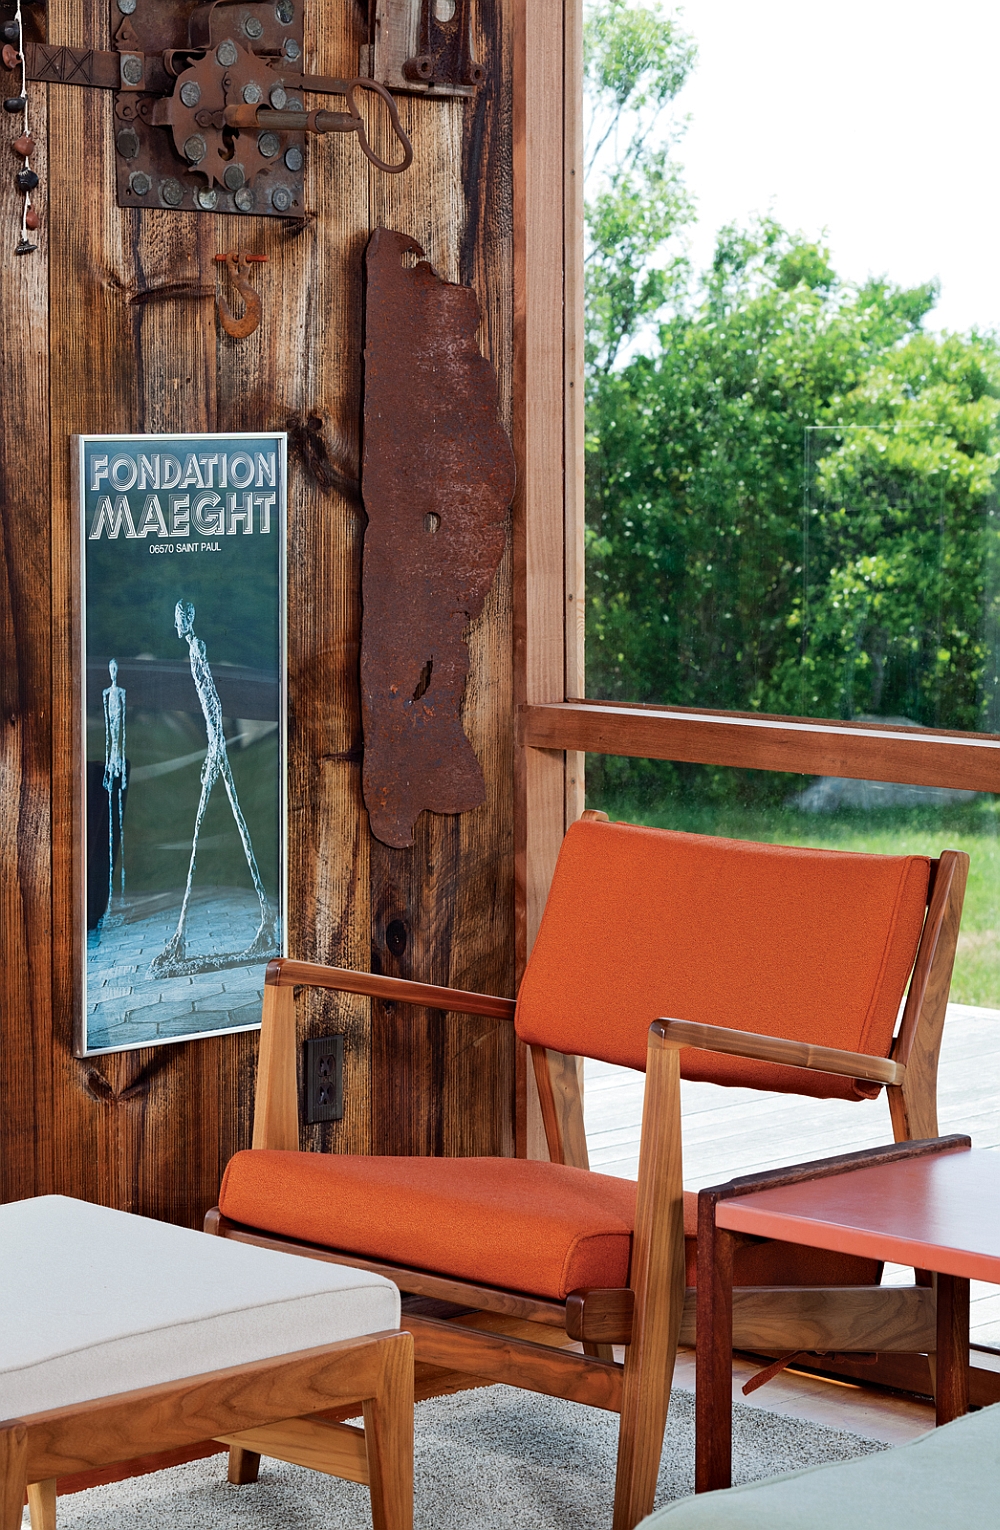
<point x="792" y="413"/>
<point x="830" y="814"/>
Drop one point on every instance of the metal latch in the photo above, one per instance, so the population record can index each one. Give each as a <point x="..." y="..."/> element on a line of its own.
<point x="209" y="109"/>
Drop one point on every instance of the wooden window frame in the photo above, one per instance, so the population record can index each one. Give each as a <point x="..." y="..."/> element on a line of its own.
<point x="555" y="730"/>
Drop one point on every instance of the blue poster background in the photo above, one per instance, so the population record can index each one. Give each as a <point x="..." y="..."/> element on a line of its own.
<point x="183" y="641"/>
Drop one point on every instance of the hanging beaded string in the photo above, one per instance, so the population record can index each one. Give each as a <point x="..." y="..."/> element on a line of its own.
<point x="27" y="180"/>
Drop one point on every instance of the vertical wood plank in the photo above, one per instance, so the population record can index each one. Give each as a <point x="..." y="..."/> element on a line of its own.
<point x="543" y="41"/>
<point x="442" y="912"/>
<point x="25" y="679"/>
<point x="573" y="288"/>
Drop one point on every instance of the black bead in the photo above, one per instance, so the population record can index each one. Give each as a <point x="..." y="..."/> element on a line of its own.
<point x="15" y="104"/>
<point x="10" y="32"/>
<point x="27" y="180"/>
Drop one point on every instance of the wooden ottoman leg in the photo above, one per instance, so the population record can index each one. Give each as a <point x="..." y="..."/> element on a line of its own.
<point x="389" y="1440"/>
<point x="13" y="1474"/>
<point x="42" y="1504"/>
<point x="243" y="1466"/>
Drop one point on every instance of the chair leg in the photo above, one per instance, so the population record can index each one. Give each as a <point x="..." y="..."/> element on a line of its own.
<point x="13" y="1474"/>
<point x="42" y="1504"/>
<point x="658" y="1282"/>
<point x="243" y="1466"/>
<point x="389" y="1444"/>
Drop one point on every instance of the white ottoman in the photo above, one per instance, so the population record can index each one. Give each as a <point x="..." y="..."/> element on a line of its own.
<point x="121" y="1336"/>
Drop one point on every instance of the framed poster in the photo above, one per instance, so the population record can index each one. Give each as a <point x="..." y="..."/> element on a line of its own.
<point x="183" y="697"/>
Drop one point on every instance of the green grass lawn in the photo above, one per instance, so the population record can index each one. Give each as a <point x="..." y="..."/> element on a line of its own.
<point x="973" y="827"/>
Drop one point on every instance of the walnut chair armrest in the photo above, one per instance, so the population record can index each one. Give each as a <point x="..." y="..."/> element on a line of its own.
<point x="775" y="1049"/>
<point x="284" y="973"/>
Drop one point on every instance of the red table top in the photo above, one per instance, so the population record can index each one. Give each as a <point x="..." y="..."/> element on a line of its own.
<point x="936" y="1213"/>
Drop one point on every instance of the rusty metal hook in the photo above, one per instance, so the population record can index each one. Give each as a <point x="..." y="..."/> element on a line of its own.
<point x="238" y="265"/>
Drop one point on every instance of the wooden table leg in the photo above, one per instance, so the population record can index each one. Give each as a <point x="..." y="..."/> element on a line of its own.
<point x="714" y="1354"/>
<point x="952" y="1397"/>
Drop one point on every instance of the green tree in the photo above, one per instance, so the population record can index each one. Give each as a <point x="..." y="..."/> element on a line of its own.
<point x="636" y="59"/>
<point x="790" y="482"/>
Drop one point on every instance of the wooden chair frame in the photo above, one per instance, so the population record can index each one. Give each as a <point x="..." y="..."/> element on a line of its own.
<point x="275" y="1406"/>
<point x="653" y="1313"/>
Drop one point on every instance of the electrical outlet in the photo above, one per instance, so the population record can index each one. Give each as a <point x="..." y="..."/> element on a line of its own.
<point x="324" y="1079"/>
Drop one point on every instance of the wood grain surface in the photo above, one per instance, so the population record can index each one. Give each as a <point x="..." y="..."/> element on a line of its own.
<point x="868" y="751"/>
<point x="111" y="327"/>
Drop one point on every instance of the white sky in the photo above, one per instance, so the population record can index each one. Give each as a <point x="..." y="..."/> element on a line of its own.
<point x="878" y="120"/>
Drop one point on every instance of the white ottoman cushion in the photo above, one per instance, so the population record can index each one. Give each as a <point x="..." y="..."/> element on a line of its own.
<point x="95" y="1301"/>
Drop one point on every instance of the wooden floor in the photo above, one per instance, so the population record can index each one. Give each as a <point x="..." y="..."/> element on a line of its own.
<point x="738" y="1131"/>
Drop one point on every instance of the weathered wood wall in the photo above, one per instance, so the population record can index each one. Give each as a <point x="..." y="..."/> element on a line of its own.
<point x="111" y="327"/>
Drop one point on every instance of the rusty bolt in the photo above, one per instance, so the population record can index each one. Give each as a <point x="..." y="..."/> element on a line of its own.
<point x="253" y="26"/>
<point x="190" y="93"/>
<point x="195" y="148"/>
<point x="252" y="93"/>
<point x="234" y="177"/>
<point x="139" y="183"/>
<point x="278" y="97"/>
<point x="227" y="53"/>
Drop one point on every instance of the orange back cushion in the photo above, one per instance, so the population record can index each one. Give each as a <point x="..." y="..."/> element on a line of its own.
<point x="816" y="945"/>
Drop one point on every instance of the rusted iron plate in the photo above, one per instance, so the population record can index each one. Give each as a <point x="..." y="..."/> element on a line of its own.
<point x="437" y="481"/>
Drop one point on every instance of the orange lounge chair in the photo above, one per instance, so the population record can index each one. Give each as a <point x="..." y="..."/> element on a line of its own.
<point x="790" y="966"/>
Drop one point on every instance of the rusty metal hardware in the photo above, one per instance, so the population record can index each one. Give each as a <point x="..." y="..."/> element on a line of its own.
<point x="209" y="112"/>
<point x="437" y="481"/>
<point x="423" y="47"/>
<point x="238" y="266"/>
<point x="350" y="121"/>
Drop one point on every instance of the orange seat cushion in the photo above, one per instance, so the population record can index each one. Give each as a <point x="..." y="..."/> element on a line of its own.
<point x="642" y="924"/>
<point x="509" y="1222"/>
<point x="540" y="1228"/>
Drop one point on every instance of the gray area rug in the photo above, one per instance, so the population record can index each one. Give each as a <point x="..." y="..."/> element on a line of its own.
<point x="495" y="1459"/>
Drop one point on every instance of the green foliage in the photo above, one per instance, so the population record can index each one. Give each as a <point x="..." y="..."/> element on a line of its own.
<point x="635" y="62"/>
<point x="729" y="567"/>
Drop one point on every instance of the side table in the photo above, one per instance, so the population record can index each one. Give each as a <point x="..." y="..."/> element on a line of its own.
<point x="933" y="1204"/>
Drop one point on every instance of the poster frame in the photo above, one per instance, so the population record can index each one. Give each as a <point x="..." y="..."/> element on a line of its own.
<point x="78" y="671"/>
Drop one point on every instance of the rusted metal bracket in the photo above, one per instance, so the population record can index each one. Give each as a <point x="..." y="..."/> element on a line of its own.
<point x="238" y="266"/>
<point x="423" y="47"/>
<point x="437" y="480"/>
<point x="209" y="109"/>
